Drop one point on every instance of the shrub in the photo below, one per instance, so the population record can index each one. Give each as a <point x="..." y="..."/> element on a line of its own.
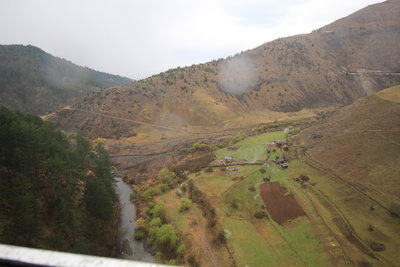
<point x="180" y="250"/>
<point x="304" y="178"/>
<point x="149" y="193"/>
<point x="141" y="225"/>
<point x="260" y="214"/>
<point x="200" y="147"/>
<point x="234" y="204"/>
<point x="209" y="169"/>
<point x="132" y="197"/>
<point x="237" y="138"/>
<point x="138" y="235"/>
<point x="166" y="175"/>
<point x="220" y="238"/>
<point x="164" y="238"/>
<point x="162" y="188"/>
<point x="252" y="188"/>
<point x="185" y="204"/>
<point x="156" y="222"/>
<point x="170" y="262"/>
<point x="157" y="211"/>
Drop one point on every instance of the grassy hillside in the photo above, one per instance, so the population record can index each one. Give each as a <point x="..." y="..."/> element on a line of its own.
<point x="361" y="143"/>
<point x="353" y="158"/>
<point x="36" y="82"/>
<point x="334" y="65"/>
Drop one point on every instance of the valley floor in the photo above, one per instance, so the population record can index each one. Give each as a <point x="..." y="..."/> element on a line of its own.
<point x="333" y="232"/>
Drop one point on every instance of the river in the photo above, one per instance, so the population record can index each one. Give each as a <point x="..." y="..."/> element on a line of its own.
<point x="128" y="248"/>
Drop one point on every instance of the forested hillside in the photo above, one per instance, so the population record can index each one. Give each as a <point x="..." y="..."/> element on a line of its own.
<point x="56" y="192"/>
<point x="36" y="82"/>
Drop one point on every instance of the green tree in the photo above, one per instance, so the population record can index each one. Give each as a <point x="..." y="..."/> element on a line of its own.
<point x="162" y="188"/>
<point x="98" y="201"/>
<point x="148" y="193"/>
<point x="43" y="174"/>
<point x="156" y="222"/>
<point x="164" y="238"/>
<point x="157" y="211"/>
<point x="166" y="175"/>
<point x="141" y="224"/>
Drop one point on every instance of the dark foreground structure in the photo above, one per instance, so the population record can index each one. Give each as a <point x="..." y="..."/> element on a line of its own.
<point x="22" y="256"/>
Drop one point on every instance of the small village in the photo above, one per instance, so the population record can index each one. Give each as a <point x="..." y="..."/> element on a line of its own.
<point x="230" y="163"/>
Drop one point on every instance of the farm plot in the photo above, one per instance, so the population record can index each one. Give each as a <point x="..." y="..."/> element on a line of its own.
<point x="282" y="208"/>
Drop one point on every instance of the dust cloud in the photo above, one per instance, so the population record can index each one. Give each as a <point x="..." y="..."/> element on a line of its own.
<point x="237" y="75"/>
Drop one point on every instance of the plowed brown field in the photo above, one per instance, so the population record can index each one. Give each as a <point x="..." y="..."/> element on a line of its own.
<point x="281" y="207"/>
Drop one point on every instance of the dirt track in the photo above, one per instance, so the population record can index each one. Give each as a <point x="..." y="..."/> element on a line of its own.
<point x="281" y="207"/>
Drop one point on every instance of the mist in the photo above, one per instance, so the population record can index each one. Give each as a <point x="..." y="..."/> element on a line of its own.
<point x="237" y="75"/>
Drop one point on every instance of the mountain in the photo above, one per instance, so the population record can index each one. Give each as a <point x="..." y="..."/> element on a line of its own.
<point x="335" y="65"/>
<point x="36" y="82"/>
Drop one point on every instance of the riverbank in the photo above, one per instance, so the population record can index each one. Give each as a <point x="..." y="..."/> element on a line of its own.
<point x="128" y="248"/>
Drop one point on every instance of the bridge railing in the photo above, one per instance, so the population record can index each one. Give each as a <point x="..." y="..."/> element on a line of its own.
<point x="23" y="256"/>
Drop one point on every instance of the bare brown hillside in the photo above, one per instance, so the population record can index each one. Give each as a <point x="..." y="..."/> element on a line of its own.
<point x="335" y="65"/>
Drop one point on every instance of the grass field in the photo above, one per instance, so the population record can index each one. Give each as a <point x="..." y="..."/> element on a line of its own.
<point x="251" y="149"/>
<point x="335" y="200"/>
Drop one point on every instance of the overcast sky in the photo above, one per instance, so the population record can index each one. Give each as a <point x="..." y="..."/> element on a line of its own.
<point x="140" y="38"/>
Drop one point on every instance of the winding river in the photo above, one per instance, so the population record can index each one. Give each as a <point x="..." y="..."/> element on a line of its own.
<point x="128" y="248"/>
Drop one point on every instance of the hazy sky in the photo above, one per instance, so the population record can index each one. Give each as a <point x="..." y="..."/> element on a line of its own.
<point x="141" y="38"/>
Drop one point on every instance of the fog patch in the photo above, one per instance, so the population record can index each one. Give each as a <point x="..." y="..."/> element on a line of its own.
<point x="60" y="75"/>
<point x="173" y="119"/>
<point x="237" y="76"/>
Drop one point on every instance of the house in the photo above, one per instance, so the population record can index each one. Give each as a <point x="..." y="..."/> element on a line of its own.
<point x="278" y="144"/>
<point x="228" y="159"/>
<point x="285" y="147"/>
